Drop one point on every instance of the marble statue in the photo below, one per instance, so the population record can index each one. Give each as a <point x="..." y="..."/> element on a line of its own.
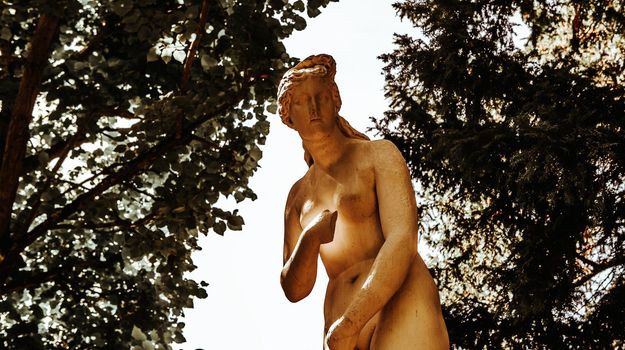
<point x="355" y="207"/>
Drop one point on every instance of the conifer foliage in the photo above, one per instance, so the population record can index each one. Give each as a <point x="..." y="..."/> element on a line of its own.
<point x="517" y="142"/>
<point x="121" y="124"/>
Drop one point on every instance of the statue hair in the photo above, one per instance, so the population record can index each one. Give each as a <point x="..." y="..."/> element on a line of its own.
<point x="321" y="66"/>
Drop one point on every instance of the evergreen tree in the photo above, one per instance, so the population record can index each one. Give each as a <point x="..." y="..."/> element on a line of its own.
<point x="518" y="147"/>
<point x="121" y="124"/>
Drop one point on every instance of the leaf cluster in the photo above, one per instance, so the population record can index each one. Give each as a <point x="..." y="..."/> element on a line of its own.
<point x="147" y="112"/>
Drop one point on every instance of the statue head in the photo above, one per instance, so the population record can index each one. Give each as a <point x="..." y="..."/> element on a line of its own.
<point x="316" y="66"/>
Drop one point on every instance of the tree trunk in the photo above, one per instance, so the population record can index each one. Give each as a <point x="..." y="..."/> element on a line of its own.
<point x="17" y="133"/>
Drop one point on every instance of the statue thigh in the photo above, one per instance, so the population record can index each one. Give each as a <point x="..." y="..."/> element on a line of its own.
<point x="412" y="318"/>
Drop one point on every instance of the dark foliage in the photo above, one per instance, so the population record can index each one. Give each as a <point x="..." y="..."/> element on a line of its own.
<point x="121" y="124"/>
<point x="518" y="147"/>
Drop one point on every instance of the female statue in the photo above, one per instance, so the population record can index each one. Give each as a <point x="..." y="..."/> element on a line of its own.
<point x="355" y="207"/>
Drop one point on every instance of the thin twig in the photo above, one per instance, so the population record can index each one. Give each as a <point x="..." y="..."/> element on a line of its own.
<point x="136" y="189"/>
<point x="193" y="47"/>
<point x="35" y="209"/>
<point x="600" y="268"/>
<point x="186" y="72"/>
<point x="587" y="261"/>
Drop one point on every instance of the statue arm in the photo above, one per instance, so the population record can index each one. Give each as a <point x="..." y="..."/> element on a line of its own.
<point x="398" y="218"/>
<point x="301" y="250"/>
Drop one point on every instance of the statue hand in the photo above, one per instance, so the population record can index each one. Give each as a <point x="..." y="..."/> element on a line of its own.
<point x="322" y="226"/>
<point x="342" y="335"/>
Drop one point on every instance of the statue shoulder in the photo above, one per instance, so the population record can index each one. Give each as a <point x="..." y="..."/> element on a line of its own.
<point x="380" y="145"/>
<point x="383" y="145"/>
<point x="385" y="152"/>
<point x="375" y="153"/>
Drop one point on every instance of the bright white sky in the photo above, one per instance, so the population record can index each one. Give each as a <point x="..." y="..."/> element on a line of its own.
<point x="246" y="308"/>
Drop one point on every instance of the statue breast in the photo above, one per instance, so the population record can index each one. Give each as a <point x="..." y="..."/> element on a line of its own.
<point x="355" y="200"/>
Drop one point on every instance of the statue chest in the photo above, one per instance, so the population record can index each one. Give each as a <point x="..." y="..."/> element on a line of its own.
<point x="357" y="235"/>
<point x="352" y="196"/>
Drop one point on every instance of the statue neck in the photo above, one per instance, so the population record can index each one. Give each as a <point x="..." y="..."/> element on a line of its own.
<point x="328" y="150"/>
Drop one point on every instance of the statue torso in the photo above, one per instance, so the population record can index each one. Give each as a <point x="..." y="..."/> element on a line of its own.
<point x="349" y="189"/>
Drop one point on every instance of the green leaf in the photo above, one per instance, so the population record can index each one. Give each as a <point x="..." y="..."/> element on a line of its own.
<point x="179" y="56"/>
<point x="235" y="223"/>
<point x="272" y="108"/>
<point x="144" y="33"/>
<point x="300" y="22"/>
<point x="220" y="228"/>
<point x="312" y="11"/>
<point x="43" y="157"/>
<point x="299" y="6"/>
<point x="137" y="334"/>
<point x="255" y="153"/>
<point x="201" y="293"/>
<point x="5" y="34"/>
<point x="122" y="7"/>
<point x="166" y="54"/>
<point x="207" y="62"/>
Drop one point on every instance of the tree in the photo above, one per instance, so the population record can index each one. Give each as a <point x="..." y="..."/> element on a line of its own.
<point x="519" y="153"/>
<point x="121" y="124"/>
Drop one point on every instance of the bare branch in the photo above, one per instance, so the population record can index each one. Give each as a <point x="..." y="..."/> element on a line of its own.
<point x="600" y="268"/>
<point x="31" y="281"/>
<point x="118" y="112"/>
<point x="54" y="274"/>
<point x="587" y="261"/>
<point x="35" y="209"/>
<point x="136" y="189"/>
<point x="186" y="72"/>
<point x="203" y="141"/>
<point x="75" y="185"/>
<point x="193" y="47"/>
<point x="32" y="162"/>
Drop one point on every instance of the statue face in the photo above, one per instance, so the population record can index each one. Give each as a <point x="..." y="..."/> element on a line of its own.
<point x="312" y="111"/>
